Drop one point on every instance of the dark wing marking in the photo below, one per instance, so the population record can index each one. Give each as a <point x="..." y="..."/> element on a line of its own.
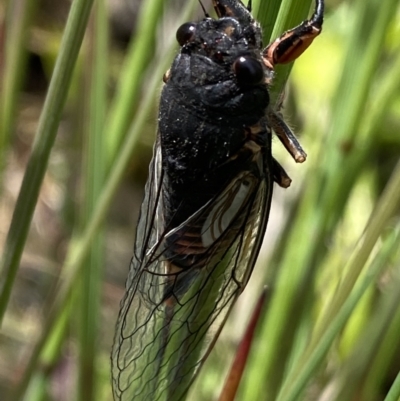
<point x="171" y="317"/>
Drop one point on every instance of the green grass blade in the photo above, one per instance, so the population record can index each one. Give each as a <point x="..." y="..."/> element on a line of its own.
<point x="139" y="54"/>
<point x="362" y="61"/>
<point x="305" y="370"/>
<point x="394" y="392"/>
<point x="362" y="359"/>
<point x="45" y="136"/>
<point x="17" y="23"/>
<point x="94" y="175"/>
<point x="267" y="13"/>
<point x="383" y="358"/>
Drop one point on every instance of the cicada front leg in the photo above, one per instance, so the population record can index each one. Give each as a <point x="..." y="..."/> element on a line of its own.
<point x="294" y="42"/>
<point x="283" y="50"/>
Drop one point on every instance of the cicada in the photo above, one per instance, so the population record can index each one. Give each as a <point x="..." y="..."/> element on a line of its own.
<point x="207" y="198"/>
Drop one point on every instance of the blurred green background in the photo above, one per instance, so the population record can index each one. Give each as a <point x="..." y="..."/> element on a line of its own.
<point x="330" y="329"/>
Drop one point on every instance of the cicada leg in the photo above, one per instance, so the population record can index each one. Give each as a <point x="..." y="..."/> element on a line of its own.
<point x="286" y="136"/>
<point x="280" y="175"/>
<point x="294" y="42"/>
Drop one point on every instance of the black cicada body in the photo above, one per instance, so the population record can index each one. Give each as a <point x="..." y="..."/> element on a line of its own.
<point x="207" y="199"/>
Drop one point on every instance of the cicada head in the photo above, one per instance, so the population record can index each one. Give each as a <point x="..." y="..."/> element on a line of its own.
<point x="220" y="64"/>
<point x="231" y="46"/>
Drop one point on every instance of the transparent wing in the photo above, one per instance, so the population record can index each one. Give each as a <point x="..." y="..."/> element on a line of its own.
<point x="171" y="316"/>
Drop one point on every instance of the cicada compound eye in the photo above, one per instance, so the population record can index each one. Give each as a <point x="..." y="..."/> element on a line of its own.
<point x="185" y="33"/>
<point x="248" y="71"/>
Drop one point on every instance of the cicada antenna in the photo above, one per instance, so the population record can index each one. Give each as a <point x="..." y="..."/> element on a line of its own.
<point x="204" y="10"/>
